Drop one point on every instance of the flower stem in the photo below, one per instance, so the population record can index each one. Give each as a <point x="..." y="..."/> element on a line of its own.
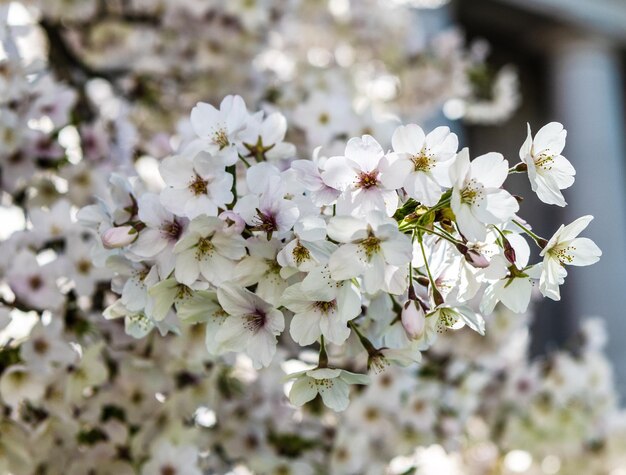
<point x="541" y="242"/>
<point x="322" y="361"/>
<point x="371" y="349"/>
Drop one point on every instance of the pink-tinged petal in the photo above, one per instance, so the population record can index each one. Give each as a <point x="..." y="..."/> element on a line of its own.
<point x="394" y="171"/>
<point x="338" y="174"/>
<point x="490" y="169"/>
<point x="408" y="139"/>
<point x="365" y="151"/>
<point x="176" y="171"/>
<point x="149" y="243"/>
<point x="151" y="210"/>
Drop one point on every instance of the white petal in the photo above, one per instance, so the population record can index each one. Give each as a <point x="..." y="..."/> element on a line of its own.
<point x="302" y="391"/>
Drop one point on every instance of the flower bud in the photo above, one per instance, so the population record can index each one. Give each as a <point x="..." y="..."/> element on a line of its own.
<point x="413" y="319"/>
<point x="119" y="236"/>
<point x="473" y="257"/>
<point x="234" y="223"/>
<point x="509" y="252"/>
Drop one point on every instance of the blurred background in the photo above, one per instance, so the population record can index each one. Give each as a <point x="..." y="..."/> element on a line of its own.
<point x="570" y="58"/>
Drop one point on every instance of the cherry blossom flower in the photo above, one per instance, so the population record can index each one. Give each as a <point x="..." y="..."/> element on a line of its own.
<point x="424" y="160"/>
<point x="371" y="248"/>
<point x="566" y="248"/>
<point x="477" y="198"/>
<point x="195" y="185"/>
<point x="365" y="177"/>
<point x="219" y="129"/>
<point x="253" y="324"/>
<point x="314" y="317"/>
<point x="206" y="249"/>
<point x="549" y="172"/>
<point x="332" y="384"/>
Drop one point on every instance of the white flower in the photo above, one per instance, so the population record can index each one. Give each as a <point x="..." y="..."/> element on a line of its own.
<point x="33" y="284"/>
<point x="424" y="160"/>
<point x="45" y="347"/>
<point x="365" y="177"/>
<point x="477" y="198"/>
<point x="206" y="249"/>
<point x="373" y="248"/>
<point x="566" y="248"/>
<point x="18" y="383"/>
<point x="447" y="316"/>
<point x="196" y="184"/>
<point x="549" y="172"/>
<point x="167" y="293"/>
<point x="219" y="130"/>
<point x="315" y="316"/>
<point x="263" y="138"/>
<point x="308" y="173"/>
<point x="168" y="459"/>
<point x="268" y="212"/>
<point x="261" y="268"/>
<point x="332" y="384"/>
<point x="162" y="231"/>
<point x="252" y="326"/>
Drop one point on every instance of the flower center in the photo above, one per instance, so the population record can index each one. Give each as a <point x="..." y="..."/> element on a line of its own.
<point x="564" y="254"/>
<point x="371" y="246"/>
<point x="171" y="230"/>
<point x="472" y="192"/>
<point x="544" y="161"/>
<point x="265" y="222"/>
<point x="220" y="138"/>
<point x="83" y="266"/>
<point x="300" y="253"/>
<point x="323" y="118"/>
<point x="368" y="180"/>
<point x="255" y="321"/>
<point x="325" y="307"/>
<point x="40" y="346"/>
<point x="204" y="247"/>
<point x="198" y="185"/>
<point x="447" y="319"/>
<point x="422" y="162"/>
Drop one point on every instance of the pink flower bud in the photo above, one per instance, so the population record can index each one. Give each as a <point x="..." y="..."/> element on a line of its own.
<point x="413" y="319"/>
<point x="120" y="236"/>
<point x="234" y="223"/>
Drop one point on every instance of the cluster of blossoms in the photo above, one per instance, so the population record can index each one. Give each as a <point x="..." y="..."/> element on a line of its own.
<point x="244" y="257"/>
<point x="260" y="249"/>
<point x="334" y="68"/>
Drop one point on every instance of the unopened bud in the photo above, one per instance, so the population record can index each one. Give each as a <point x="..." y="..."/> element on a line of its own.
<point x="234" y="223"/>
<point x="473" y="257"/>
<point x="120" y="236"/>
<point x="509" y="252"/>
<point x="413" y="319"/>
